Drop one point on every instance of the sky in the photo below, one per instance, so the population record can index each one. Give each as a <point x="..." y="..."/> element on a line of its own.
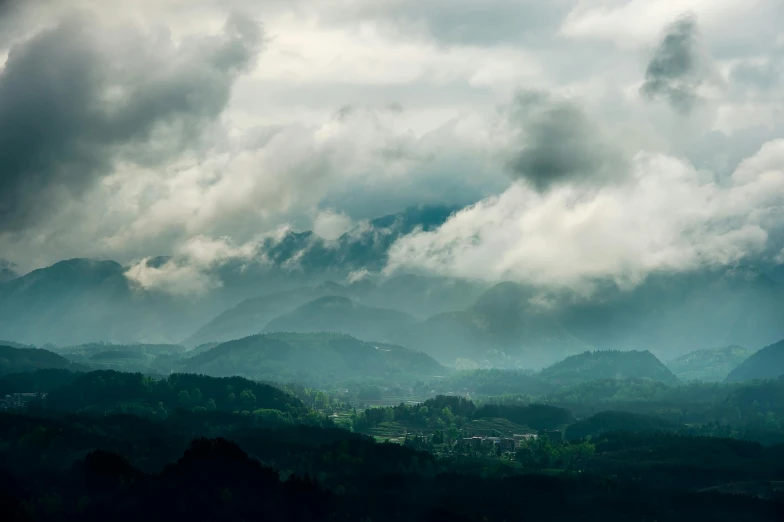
<point x="585" y="139"/>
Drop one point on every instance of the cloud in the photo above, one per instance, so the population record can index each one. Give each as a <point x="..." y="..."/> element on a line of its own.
<point x="459" y="22"/>
<point x="329" y="224"/>
<point x="268" y="177"/>
<point x="666" y="217"/>
<point x="760" y="76"/>
<point x="77" y="98"/>
<point x="678" y="68"/>
<point x="161" y="126"/>
<point x="192" y="271"/>
<point x="559" y="144"/>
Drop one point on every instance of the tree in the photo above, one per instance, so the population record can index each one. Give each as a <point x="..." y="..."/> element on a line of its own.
<point x="247" y="399"/>
<point x="447" y="415"/>
<point x="321" y="400"/>
<point x="184" y="398"/>
<point x="576" y="454"/>
<point x="389" y="415"/>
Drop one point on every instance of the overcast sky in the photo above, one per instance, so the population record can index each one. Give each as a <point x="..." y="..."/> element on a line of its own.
<point x="592" y="138"/>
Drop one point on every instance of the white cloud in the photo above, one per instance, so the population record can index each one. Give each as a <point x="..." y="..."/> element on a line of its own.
<point x="638" y="22"/>
<point x="191" y="270"/>
<point x="666" y="217"/>
<point x="329" y="224"/>
<point x="274" y="153"/>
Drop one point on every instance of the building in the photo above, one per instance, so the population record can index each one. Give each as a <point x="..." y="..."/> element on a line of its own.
<point x="470" y="442"/>
<point x="19" y="401"/>
<point x="489" y="442"/>
<point x="553" y="435"/>
<point x="508" y="445"/>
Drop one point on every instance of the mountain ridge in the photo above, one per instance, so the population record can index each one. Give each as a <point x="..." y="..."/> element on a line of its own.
<point x="767" y="363"/>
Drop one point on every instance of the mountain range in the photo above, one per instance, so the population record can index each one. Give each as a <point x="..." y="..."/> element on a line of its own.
<point x="304" y="283"/>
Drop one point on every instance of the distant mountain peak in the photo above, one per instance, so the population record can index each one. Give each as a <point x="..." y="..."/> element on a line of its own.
<point x="767" y="363"/>
<point x="83" y="263"/>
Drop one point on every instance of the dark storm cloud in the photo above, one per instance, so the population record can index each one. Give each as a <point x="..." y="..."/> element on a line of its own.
<point x="676" y="69"/>
<point x="560" y="145"/>
<point x="72" y="100"/>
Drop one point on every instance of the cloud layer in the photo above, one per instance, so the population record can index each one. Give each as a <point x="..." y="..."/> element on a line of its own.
<point x="78" y="98"/>
<point x="666" y="217"/>
<point x="129" y="131"/>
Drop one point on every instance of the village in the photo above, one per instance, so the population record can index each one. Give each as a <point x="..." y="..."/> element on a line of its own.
<point x="20" y="401"/>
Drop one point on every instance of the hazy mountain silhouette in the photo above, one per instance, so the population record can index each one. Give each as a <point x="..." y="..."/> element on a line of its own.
<point x="251" y="316"/>
<point x="341" y="314"/>
<point x="671" y="314"/>
<point x="767" y="363"/>
<point x="709" y="364"/>
<point x="81" y="300"/>
<point x="16" y="360"/>
<point x="416" y="295"/>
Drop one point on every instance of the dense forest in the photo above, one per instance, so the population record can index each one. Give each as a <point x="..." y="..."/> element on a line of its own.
<point x="107" y="444"/>
<point x="329" y="402"/>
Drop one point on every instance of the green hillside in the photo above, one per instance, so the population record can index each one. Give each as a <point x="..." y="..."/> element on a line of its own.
<point x="16" y="360"/>
<point x="768" y="363"/>
<point x="608" y="364"/>
<point x="710" y="364"/>
<point x="309" y="358"/>
<point x="108" y="390"/>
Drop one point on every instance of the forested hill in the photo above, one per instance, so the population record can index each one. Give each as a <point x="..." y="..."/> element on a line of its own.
<point x="111" y="391"/>
<point x="310" y="358"/>
<point x="608" y="364"/>
<point x="768" y="363"/>
<point x="15" y="360"/>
